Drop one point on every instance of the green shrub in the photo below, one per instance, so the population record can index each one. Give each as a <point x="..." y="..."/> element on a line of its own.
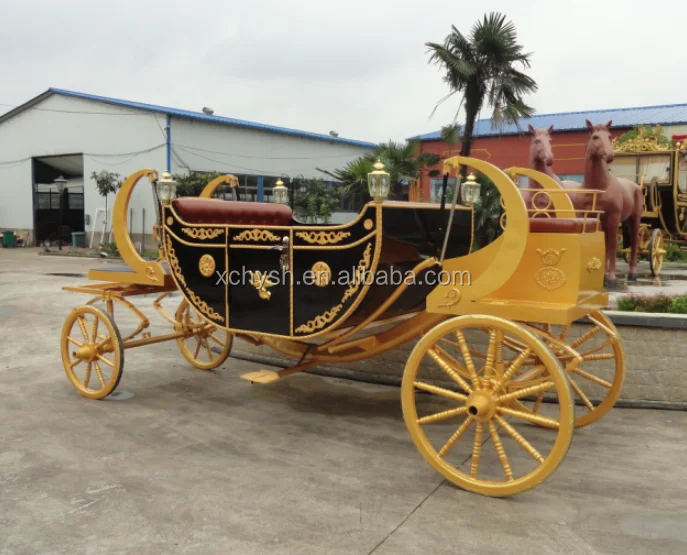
<point x="659" y="304"/>
<point x="110" y="248"/>
<point x="674" y="254"/>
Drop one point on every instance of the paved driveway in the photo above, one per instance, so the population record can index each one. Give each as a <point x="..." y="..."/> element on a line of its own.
<point x="202" y="462"/>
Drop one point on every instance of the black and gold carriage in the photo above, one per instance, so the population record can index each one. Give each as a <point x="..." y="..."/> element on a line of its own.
<point x="661" y="171"/>
<point x="496" y="359"/>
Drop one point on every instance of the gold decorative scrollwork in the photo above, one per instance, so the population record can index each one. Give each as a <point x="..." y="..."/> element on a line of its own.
<point x="550" y="277"/>
<point x="203" y="306"/>
<point x="260" y="281"/>
<point x="323" y="319"/>
<point x="202" y="232"/>
<point x="256" y="235"/>
<point x="323" y="237"/>
<point x="322" y="274"/>
<point x="593" y="265"/>
<point x="206" y="265"/>
<point x="174" y="261"/>
<point x="452" y="297"/>
<point x="645" y="141"/>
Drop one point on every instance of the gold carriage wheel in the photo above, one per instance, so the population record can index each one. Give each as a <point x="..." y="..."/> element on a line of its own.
<point x="479" y="398"/>
<point x="209" y="346"/>
<point x="92" y="352"/>
<point x="592" y="377"/>
<point x="656" y="252"/>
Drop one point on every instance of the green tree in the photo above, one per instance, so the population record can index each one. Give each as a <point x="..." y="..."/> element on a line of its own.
<point x="106" y="182"/>
<point x="192" y="184"/>
<point x="315" y="201"/>
<point x="481" y="67"/>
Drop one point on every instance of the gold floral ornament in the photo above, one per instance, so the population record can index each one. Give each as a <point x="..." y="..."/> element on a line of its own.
<point x="550" y="277"/>
<point x="593" y="265"/>
<point x="322" y="274"/>
<point x="201" y="232"/>
<point x="368" y="224"/>
<point x="323" y="237"/>
<point x="256" y="235"/>
<point x="206" y="265"/>
<point x="645" y="141"/>
<point x="260" y="281"/>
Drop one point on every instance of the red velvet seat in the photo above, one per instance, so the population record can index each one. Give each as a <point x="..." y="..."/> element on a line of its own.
<point x="214" y="211"/>
<point x="563" y="225"/>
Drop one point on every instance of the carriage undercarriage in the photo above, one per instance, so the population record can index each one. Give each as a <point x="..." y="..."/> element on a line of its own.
<point x="489" y="363"/>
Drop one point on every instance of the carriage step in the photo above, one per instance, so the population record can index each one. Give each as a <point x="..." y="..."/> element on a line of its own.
<point x="269" y="376"/>
<point x="261" y="376"/>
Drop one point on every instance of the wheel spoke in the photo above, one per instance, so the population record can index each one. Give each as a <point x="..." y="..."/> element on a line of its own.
<point x="525" y="391"/>
<point x="99" y="373"/>
<point x="599" y="356"/>
<point x="75" y="341"/>
<point x="208" y="349"/>
<point x="75" y="362"/>
<point x="222" y="345"/>
<point x="87" y="378"/>
<point x="101" y="357"/>
<point x="538" y="402"/>
<point x="512" y="369"/>
<point x="528" y="417"/>
<point x="198" y="346"/>
<point x="476" y="450"/>
<point x="95" y="329"/>
<point x="455" y="437"/>
<point x="581" y="395"/>
<point x="457" y="366"/>
<point x="82" y="324"/>
<point x="521" y="441"/>
<point x="468" y="358"/>
<point x="500" y="451"/>
<point x="592" y="377"/>
<point x="440" y="391"/>
<point x="586" y="337"/>
<point x="564" y="333"/>
<point x="444" y="415"/>
<point x="491" y="354"/>
<point x="446" y="367"/>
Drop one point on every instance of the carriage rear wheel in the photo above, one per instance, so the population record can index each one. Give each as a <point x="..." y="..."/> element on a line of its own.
<point x="92" y="352"/>
<point x="656" y="252"/>
<point x="204" y="345"/>
<point x="458" y="389"/>
<point x="597" y="378"/>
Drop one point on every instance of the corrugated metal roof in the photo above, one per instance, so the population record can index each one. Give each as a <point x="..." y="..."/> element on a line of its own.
<point x="208" y="118"/>
<point x="669" y="114"/>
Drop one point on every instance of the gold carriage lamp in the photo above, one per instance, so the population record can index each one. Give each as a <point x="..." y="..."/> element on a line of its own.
<point x="280" y="192"/>
<point x="378" y="182"/>
<point x="470" y="191"/>
<point x="166" y="188"/>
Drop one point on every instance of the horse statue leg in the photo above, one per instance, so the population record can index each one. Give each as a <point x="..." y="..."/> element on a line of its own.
<point x="634" y="222"/>
<point x="610" y="227"/>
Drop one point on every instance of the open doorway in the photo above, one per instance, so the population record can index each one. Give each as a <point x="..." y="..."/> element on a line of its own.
<point x="57" y="215"/>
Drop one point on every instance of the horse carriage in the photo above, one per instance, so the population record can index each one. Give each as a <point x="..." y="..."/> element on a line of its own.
<point x="661" y="171"/>
<point x="496" y="358"/>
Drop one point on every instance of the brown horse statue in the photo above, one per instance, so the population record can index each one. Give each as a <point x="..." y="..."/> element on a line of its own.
<point x="622" y="201"/>
<point x="541" y="159"/>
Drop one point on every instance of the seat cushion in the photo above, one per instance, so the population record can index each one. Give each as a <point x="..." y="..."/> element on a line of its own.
<point x="214" y="211"/>
<point x="563" y="225"/>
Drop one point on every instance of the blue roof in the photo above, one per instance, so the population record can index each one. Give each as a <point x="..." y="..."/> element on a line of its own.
<point x="669" y="114"/>
<point x="213" y="119"/>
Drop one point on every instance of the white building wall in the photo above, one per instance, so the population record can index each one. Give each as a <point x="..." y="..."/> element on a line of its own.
<point x="124" y="140"/>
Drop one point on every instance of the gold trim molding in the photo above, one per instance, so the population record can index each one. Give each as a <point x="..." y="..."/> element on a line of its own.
<point x="256" y="235"/>
<point x="323" y="237"/>
<point x="202" y="232"/>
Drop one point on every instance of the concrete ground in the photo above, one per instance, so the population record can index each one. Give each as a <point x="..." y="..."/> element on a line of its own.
<point x="188" y="461"/>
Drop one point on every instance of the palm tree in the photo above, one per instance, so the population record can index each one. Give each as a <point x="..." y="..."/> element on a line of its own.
<point x="481" y="66"/>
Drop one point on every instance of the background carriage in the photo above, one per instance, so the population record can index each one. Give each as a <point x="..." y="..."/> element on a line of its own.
<point x="495" y="359"/>
<point x="661" y="171"/>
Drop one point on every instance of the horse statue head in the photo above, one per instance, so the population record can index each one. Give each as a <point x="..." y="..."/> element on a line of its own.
<point x="540" y="147"/>
<point x="599" y="143"/>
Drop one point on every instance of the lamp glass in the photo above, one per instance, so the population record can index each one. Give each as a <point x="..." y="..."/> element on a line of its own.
<point x="470" y="191"/>
<point x="60" y="183"/>
<point x="166" y="188"/>
<point x="379" y="182"/>
<point x="280" y="193"/>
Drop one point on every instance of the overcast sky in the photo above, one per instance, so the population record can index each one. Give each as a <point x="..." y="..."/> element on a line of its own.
<point x="355" y="66"/>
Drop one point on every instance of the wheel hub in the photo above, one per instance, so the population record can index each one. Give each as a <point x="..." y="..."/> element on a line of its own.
<point x="87" y="352"/>
<point x="481" y="405"/>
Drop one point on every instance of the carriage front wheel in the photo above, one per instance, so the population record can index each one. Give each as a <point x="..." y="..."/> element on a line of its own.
<point x="657" y="252"/>
<point x="92" y="352"/>
<point x="204" y="345"/>
<point x="457" y="394"/>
